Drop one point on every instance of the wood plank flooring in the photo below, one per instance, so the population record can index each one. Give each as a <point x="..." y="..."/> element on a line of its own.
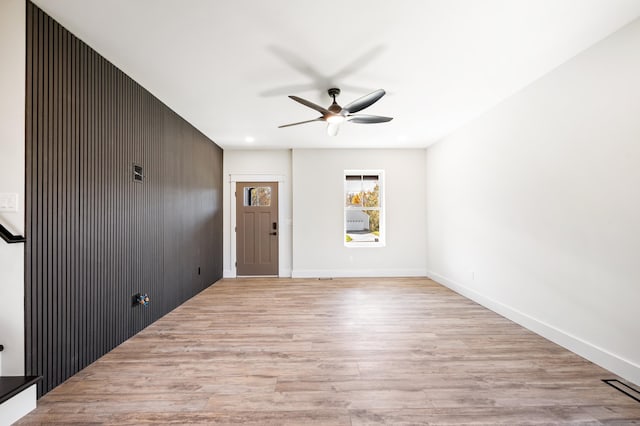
<point x="336" y="352"/>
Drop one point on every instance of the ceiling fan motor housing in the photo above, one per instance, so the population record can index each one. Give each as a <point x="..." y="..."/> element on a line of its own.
<point x="334" y="107"/>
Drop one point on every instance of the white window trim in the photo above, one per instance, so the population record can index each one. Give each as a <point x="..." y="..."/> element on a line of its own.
<point x="383" y="207"/>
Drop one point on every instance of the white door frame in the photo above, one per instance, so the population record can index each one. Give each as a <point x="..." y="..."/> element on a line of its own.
<point x="251" y="177"/>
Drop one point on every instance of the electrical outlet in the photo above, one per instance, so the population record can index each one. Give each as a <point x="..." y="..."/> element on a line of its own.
<point x="8" y="202"/>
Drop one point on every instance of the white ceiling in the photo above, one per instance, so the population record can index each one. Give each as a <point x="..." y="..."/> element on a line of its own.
<point x="227" y="65"/>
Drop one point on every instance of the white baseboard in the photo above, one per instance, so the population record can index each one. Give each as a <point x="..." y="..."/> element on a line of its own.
<point x="356" y="273"/>
<point x="612" y="362"/>
<point x="17" y="407"/>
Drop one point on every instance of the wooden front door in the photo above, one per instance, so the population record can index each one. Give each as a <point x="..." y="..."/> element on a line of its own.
<point x="257" y="228"/>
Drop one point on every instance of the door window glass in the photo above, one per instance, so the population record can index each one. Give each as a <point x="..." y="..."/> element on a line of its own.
<point x="259" y="196"/>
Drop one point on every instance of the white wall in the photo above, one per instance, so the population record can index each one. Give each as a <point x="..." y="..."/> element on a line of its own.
<point x="253" y="164"/>
<point x="12" y="90"/>
<point x="534" y="208"/>
<point x="318" y="203"/>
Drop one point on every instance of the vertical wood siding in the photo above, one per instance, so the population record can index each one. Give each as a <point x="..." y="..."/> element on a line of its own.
<point x="94" y="236"/>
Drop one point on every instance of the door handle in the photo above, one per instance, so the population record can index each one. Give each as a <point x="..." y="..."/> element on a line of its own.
<point x="273" y="233"/>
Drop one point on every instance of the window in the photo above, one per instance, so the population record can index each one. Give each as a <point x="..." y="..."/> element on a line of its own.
<point x="364" y="208"/>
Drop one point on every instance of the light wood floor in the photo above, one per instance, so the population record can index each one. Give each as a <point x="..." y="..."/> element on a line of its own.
<point x="339" y="352"/>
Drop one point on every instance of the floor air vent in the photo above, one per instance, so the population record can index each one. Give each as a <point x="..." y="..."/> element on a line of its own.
<point x="624" y="388"/>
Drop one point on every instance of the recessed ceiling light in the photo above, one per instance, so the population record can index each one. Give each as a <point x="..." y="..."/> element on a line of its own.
<point x="249" y="139"/>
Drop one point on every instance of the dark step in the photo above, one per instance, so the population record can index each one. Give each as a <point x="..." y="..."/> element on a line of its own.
<point x="13" y="385"/>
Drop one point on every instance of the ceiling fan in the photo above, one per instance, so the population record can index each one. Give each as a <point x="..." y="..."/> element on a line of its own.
<point x="335" y="115"/>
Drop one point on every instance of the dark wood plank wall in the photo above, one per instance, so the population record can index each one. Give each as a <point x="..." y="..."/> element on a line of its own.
<point x="95" y="236"/>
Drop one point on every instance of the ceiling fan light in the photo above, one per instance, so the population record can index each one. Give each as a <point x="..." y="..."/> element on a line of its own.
<point x="336" y="119"/>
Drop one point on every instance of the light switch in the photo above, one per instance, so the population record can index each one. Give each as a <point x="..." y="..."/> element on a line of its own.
<point x="8" y="202"/>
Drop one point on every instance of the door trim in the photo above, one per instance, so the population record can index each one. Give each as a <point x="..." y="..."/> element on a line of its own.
<point x="251" y="177"/>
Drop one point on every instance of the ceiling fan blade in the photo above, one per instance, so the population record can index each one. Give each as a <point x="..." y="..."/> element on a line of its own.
<point x="368" y="119"/>
<point x="365" y="101"/>
<point x="332" y="129"/>
<point x="301" y="122"/>
<point x="310" y="104"/>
